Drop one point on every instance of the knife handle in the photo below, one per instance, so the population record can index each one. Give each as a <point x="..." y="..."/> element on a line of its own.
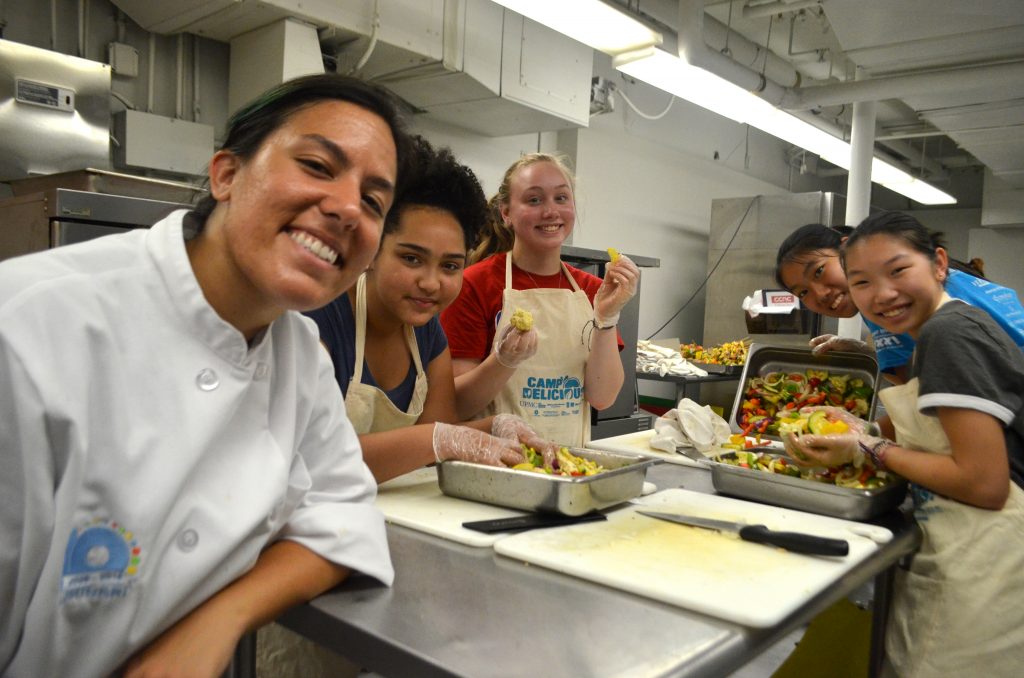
<point x="796" y="542"/>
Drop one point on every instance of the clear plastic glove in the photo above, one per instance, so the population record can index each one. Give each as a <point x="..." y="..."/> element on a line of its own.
<point x="830" y="342"/>
<point x="467" y="444"/>
<point x="513" y="346"/>
<point x="511" y="427"/>
<point x="856" y="424"/>
<point x="617" y="288"/>
<point x="834" y="449"/>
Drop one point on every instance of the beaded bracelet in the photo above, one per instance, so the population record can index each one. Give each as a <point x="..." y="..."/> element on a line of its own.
<point x="877" y="451"/>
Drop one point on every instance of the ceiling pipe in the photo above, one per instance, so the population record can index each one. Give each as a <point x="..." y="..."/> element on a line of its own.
<point x="694" y="50"/>
<point x="899" y="86"/>
<point x="778" y="7"/>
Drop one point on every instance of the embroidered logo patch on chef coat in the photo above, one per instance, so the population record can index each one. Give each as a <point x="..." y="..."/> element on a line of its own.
<point x="101" y="561"/>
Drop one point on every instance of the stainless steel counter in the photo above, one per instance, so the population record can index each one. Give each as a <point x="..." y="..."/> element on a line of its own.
<point x="460" y="611"/>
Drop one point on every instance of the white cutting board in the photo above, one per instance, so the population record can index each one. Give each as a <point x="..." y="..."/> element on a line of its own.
<point x="694" y="568"/>
<point x="638" y="444"/>
<point x="415" y="501"/>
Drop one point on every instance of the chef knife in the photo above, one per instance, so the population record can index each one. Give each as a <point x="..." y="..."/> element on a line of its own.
<point x="791" y="541"/>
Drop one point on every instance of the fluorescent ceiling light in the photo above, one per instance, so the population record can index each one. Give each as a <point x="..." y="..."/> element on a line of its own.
<point x="671" y="74"/>
<point x="591" y="22"/>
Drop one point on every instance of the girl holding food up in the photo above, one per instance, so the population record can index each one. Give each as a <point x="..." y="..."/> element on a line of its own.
<point x="959" y="439"/>
<point x="390" y="355"/>
<point x="547" y="372"/>
<point x="807" y="264"/>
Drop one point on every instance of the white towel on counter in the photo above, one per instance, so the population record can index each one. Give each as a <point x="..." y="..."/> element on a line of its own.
<point x="690" y="425"/>
<point x="660" y="360"/>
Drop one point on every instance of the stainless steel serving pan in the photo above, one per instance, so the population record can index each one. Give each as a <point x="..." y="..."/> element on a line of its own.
<point x="762" y="359"/>
<point x="571" y="496"/>
<point x="806" y="495"/>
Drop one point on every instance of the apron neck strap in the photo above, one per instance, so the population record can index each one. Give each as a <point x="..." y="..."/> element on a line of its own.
<point x="565" y="272"/>
<point x="360" y="318"/>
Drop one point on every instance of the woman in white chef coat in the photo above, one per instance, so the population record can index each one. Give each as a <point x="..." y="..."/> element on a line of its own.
<point x="551" y="374"/>
<point x="178" y="467"/>
<point x="390" y="354"/>
<point x="959" y="440"/>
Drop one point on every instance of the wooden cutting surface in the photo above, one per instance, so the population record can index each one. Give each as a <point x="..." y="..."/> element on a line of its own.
<point x="415" y="501"/>
<point x="698" y="569"/>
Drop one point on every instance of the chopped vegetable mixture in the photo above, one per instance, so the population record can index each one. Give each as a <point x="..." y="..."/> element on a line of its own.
<point x="772" y="403"/>
<point x="566" y="463"/>
<point x="865" y="476"/>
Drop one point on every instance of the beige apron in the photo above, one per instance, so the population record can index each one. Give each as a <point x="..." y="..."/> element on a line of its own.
<point x="547" y="389"/>
<point x="959" y="609"/>
<point x="368" y="407"/>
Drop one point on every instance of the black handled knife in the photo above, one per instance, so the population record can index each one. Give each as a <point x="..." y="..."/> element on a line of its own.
<point x="796" y="542"/>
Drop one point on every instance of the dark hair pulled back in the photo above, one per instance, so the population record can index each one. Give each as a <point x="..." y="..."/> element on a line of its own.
<point x="807" y="240"/>
<point x="250" y="125"/>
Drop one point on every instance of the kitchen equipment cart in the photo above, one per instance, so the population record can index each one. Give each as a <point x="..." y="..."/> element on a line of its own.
<point x="456" y="610"/>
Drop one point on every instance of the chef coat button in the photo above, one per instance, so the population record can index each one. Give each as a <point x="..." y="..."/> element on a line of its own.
<point x="207" y="379"/>
<point x="188" y="540"/>
<point x="262" y="370"/>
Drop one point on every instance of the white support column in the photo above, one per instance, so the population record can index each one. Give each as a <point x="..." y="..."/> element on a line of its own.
<point x="858" y="185"/>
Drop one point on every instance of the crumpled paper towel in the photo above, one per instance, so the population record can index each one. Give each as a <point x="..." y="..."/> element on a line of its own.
<point x="690" y="425"/>
<point x="660" y="360"/>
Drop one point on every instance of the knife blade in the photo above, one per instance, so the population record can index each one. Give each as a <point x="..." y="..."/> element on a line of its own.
<point x="797" y="542"/>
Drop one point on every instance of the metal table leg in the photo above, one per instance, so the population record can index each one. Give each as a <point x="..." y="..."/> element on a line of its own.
<point x="880" y="619"/>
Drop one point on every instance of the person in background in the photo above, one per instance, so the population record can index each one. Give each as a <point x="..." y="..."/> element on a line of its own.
<point x="390" y="354"/>
<point x="549" y="372"/>
<point x="959" y="440"/>
<point x="807" y="264"/>
<point x="178" y="467"/>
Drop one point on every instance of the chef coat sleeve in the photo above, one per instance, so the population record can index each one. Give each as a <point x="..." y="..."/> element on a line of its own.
<point x="337" y="518"/>
<point x="27" y="481"/>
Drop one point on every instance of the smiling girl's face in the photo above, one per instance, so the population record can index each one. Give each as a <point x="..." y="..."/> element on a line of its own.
<point x="418" y="271"/>
<point x="817" y="279"/>
<point x="893" y="284"/>
<point x="541" y="208"/>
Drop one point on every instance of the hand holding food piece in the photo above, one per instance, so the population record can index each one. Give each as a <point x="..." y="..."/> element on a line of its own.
<point x="512" y="346"/>
<point x="522" y="320"/>
<point x="467" y="444"/>
<point x="613" y="254"/>
<point x="839" y="415"/>
<point x="833" y="449"/>
<point x="830" y="342"/>
<point x="618" y="287"/>
<point x="511" y="427"/>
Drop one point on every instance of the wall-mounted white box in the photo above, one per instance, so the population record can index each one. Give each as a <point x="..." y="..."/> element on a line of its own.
<point x="123" y="59"/>
<point x="167" y="144"/>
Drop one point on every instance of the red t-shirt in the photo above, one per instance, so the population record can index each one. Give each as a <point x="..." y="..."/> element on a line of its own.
<point x="470" y="321"/>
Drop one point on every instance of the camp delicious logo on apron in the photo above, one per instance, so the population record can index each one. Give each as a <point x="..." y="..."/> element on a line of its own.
<point x="368" y="407"/>
<point x="547" y="388"/>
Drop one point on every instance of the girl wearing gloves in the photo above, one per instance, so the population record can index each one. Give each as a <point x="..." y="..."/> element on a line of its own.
<point x="808" y="265"/>
<point x="177" y="464"/>
<point x="959" y="431"/>
<point x="390" y="354"/>
<point x="549" y="373"/>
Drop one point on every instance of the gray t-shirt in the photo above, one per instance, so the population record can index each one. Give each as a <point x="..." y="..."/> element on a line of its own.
<point x="964" y="359"/>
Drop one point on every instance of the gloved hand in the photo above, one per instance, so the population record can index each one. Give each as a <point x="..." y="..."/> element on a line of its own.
<point x="834" y="449"/>
<point x="512" y="347"/>
<point x="468" y="444"/>
<point x="617" y="288"/>
<point x="856" y="424"/>
<point x="830" y="342"/>
<point x="511" y="427"/>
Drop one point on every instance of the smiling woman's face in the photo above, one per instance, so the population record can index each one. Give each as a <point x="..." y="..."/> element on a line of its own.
<point x="817" y="279"/>
<point x="299" y="221"/>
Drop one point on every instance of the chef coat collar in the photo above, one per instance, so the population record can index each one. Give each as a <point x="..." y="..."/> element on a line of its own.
<point x="165" y="244"/>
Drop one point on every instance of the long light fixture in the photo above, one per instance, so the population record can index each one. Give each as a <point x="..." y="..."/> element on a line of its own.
<point x="674" y="75"/>
<point x="595" y="24"/>
<point x="632" y="45"/>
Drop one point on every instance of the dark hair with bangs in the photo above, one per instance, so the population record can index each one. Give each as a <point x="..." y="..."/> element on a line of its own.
<point x="250" y="126"/>
<point x="436" y="179"/>
<point x="807" y="240"/>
